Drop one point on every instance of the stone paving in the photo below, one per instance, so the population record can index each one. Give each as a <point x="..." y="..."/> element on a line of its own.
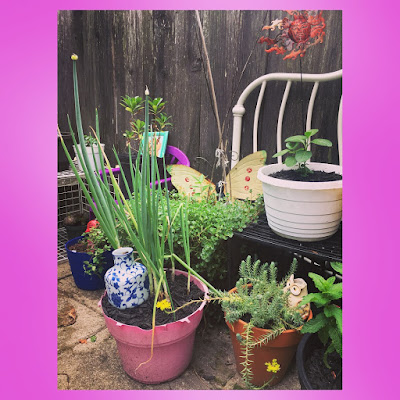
<point x="96" y="365"/>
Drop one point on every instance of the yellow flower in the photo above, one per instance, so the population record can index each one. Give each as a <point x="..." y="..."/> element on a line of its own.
<point x="74" y="57"/>
<point x="273" y="367"/>
<point x="163" y="305"/>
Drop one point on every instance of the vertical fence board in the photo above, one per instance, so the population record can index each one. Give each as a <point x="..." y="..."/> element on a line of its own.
<point x="122" y="51"/>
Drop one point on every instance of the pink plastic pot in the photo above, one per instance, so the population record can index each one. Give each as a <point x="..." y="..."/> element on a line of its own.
<point x="172" y="350"/>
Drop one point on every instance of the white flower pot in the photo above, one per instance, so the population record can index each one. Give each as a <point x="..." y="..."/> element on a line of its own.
<point x="304" y="211"/>
<point x="95" y="153"/>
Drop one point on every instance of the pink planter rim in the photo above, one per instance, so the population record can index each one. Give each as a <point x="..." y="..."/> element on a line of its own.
<point x="202" y="286"/>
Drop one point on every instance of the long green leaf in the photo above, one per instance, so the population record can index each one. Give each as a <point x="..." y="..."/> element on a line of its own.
<point x="322" y="142"/>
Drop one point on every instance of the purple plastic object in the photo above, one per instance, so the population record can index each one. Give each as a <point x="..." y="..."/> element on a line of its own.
<point x="173" y="345"/>
<point x="173" y="155"/>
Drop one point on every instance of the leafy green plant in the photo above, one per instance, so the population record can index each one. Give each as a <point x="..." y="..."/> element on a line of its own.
<point x="297" y="148"/>
<point x="328" y="323"/>
<point x="210" y="224"/>
<point x="138" y="216"/>
<point x="158" y="121"/>
<point x="156" y="106"/>
<point x="261" y="301"/>
<point x="161" y="122"/>
<point x="262" y="297"/>
<point x="89" y="140"/>
<point x="96" y="244"/>
<point x="132" y="104"/>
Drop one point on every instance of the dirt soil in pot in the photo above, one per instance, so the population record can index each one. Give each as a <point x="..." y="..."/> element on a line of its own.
<point x="319" y="375"/>
<point x="315" y="176"/>
<point x="142" y="315"/>
<point x="82" y="246"/>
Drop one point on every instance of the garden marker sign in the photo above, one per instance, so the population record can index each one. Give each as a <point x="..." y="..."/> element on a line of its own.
<point x="297" y="33"/>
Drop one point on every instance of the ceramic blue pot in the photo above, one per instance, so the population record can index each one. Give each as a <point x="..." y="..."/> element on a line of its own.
<point x="127" y="282"/>
<point x="76" y="261"/>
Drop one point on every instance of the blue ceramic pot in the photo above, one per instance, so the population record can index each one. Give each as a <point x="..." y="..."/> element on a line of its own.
<point x="76" y="261"/>
<point x="127" y="282"/>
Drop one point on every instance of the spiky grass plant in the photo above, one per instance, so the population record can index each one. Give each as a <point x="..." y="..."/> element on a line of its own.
<point x="261" y="299"/>
<point x="141" y="214"/>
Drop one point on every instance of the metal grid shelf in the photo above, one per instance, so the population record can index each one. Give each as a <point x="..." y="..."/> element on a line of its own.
<point x="327" y="250"/>
<point x="61" y="240"/>
<point x="70" y="201"/>
<point x="315" y="254"/>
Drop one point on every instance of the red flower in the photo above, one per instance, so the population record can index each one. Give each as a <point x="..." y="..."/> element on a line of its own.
<point x="92" y="224"/>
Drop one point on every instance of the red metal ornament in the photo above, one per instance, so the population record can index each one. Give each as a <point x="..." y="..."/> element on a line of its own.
<point x="299" y="29"/>
<point x="296" y="35"/>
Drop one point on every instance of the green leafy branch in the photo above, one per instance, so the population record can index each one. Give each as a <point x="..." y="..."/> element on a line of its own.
<point x="328" y="323"/>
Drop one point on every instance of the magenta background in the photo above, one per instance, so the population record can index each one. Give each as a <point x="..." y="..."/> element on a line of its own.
<point x="28" y="162"/>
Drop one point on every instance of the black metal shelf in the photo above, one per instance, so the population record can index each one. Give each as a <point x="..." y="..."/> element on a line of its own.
<point x="328" y="250"/>
<point x="260" y="234"/>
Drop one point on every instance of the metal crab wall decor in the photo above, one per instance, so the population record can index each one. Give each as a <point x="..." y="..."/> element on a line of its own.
<point x="296" y="35"/>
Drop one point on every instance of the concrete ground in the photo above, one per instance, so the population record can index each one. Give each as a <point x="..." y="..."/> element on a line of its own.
<point x="94" y="365"/>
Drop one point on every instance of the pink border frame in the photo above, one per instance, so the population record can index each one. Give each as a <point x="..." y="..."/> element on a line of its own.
<point x="29" y="118"/>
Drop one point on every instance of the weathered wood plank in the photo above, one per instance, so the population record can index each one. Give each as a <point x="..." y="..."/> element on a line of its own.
<point x="122" y="51"/>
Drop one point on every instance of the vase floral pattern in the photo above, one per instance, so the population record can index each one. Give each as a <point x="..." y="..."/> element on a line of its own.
<point x="127" y="282"/>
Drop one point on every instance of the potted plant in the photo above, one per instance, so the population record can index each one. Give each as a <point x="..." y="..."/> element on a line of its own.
<point x="92" y="149"/>
<point x="162" y="349"/>
<point x="75" y="224"/>
<point x="319" y="355"/>
<point x="305" y="203"/>
<point x="264" y="325"/>
<point x="211" y="224"/>
<point x="89" y="257"/>
<point x="134" y="136"/>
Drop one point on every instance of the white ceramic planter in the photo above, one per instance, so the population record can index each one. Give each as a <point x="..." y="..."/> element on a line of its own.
<point x="304" y="211"/>
<point x="90" y="154"/>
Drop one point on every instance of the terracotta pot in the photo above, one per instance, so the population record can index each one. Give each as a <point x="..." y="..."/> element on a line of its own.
<point x="173" y="345"/>
<point x="282" y="348"/>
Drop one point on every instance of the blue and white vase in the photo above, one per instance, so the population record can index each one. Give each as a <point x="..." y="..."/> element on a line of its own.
<point x="127" y="282"/>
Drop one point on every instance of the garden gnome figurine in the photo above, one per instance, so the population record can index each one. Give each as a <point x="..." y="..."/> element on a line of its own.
<point x="298" y="290"/>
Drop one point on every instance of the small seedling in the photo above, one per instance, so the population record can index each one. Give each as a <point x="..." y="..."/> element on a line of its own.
<point x="298" y="149"/>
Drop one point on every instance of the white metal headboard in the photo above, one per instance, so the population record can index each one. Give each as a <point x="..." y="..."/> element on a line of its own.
<point x="239" y="110"/>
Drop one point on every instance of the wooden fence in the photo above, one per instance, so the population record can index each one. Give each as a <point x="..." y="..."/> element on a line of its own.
<point x="122" y="51"/>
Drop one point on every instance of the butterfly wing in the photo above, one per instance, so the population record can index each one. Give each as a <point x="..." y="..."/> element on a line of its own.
<point x="242" y="182"/>
<point x="190" y="182"/>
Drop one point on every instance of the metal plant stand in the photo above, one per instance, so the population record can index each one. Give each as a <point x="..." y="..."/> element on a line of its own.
<point x="312" y="256"/>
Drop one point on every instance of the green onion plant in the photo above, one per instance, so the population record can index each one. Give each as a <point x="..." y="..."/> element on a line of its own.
<point x="142" y="212"/>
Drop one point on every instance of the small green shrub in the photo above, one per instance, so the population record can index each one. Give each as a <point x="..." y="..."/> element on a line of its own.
<point x="211" y="223"/>
<point x="328" y="323"/>
<point x="96" y="244"/>
<point x="262" y="304"/>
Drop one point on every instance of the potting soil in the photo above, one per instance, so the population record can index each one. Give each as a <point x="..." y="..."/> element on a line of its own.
<point x="319" y="375"/>
<point x="142" y="315"/>
<point x="315" y="176"/>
